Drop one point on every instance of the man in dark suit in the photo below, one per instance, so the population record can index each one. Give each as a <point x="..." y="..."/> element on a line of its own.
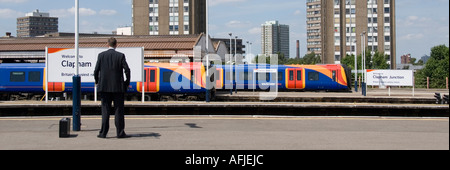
<point x="109" y="79"/>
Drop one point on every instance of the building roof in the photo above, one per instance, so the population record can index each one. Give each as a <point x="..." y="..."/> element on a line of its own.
<point x="168" y="42"/>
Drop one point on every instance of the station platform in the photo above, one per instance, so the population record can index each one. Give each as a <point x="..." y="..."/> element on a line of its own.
<point x="396" y="95"/>
<point x="231" y="133"/>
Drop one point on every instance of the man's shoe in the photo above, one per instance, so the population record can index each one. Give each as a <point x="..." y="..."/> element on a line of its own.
<point x="123" y="136"/>
<point x="101" y="136"/>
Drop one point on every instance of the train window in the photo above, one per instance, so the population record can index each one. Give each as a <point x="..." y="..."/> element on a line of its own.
<point x="291" y="75"/>
<point x="260" y="76"/>
<point x="212" y="78"/>
<point x="217" y="75"/>
<point x="313" y="76"/>
<point x="166" y="77"/>
<point x="280" y="76"/>
<point x="228" y="76"/>
<point x="145" y="76"/>
<point x="34" y="76"/>
<point x="17" y="76"/>
<point x="247" y="76"/>
<point x="334" y="75"/>
<point x="299" y="75"/>
<point x="152" y="76"/>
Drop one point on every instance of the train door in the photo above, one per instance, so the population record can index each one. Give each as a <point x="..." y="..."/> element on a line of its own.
<point x="151" y="80"/>
<point x="52" y="86"/>
<point x="219" y="78"/>
<point x="295" y="78"/>
<point x="334" y="77"/>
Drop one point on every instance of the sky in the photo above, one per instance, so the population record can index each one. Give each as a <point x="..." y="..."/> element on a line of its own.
<point x="421" y="24"/>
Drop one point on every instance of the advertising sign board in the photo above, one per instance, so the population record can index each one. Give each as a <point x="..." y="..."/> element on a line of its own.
<point x="61" y="63"/>
<point x="390" y="78"/>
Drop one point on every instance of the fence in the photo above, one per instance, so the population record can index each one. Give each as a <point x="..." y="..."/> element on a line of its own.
<point x="432" y="83"/>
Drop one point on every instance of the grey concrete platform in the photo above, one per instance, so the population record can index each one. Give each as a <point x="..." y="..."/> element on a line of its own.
<point x="400" y="96"/>
<point x="232" y="133"/>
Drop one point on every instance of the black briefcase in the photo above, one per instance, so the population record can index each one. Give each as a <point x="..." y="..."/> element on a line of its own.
<point x="64" y="128"/>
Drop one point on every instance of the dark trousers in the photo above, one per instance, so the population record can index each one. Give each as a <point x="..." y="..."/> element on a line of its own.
<point x="118" y="99"/>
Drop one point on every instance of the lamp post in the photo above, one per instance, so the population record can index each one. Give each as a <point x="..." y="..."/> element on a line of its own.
<point x="231" y="66"/>
<point x="364" y="79"/>
<point x="235" y="48"/>
<point x="76" y="102"/>
<point x="208" y="90"/>
<point x="246" y="51"/>
<point x="235" y="60"/>
<point x="250" y="54"/>
<point x="356" y="66"/>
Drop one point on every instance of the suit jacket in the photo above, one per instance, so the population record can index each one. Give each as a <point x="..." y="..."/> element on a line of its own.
<point x="109" y="72"/>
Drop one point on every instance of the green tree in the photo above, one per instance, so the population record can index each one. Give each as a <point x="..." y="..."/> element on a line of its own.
<point x="349" y="60"/>
<point x="437" y="68"/>
<point x="380" y="61"/>
<point x="281" y="59"/>
<point x="311" y="58"/>
<point x="377" y="61"/>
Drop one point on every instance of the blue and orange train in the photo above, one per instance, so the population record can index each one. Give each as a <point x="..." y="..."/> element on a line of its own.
<point x="164" y="81"/>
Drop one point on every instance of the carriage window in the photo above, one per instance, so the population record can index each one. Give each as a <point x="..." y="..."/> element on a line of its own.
<point x="193" y="76"/>
<point x="166" y="77"/>
<point x="260" y="76"/>
<point x="17" y="76"/>
<point x="273" y="77"/>
<point x="228" y="76"/>
<point x="280" y="76"/>
<point x="34" y="76"/>
<point x="334" y="75"/>
<point x="212" y="78"/>
<point x="247" y="76"/>
<point x="217" y="75"/>
<point x="152" y="76"/>
<point x="291" y="75"/>
<point x="299" y="75"/>
<point x="313" y="76"/>
<point x="145" y="76"/>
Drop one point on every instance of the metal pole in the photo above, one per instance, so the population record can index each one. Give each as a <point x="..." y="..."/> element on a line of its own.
<point x="362" y="64"/>
<point x="250" y="48"/>
<point x="46" y="75"/>
<point x="356" y="68"/>
<point x="351" y="30"/>
<point x="235" y="48"/>
<point x="364" y="91"/>
<point x="76" y="109"/>
<point x="365" y="67"/>
<point x="246" y="51"/>
<point x="414" y="84"/>
<point x="77" y="30"/>
<point x="235" y="60"/>
<point x="143" y="76"/>
<point x="208" y="92"/>
<point x="231" y="66"/>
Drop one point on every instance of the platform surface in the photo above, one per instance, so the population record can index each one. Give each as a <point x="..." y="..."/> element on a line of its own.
<point x="231" y="133"/>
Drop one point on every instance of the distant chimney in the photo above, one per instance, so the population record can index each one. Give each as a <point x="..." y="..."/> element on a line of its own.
<point x="298" y="50"/>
